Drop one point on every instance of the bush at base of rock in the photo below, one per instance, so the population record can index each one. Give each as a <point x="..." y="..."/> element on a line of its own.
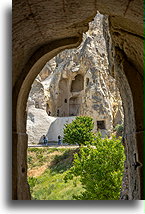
<point x="79" y="132"/>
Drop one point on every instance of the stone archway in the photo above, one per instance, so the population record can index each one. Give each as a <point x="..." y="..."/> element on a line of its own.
<point x="20" y="188"/>
<point x="33" y="46"/>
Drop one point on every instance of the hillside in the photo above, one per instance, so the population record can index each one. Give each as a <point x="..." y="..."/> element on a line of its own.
<point x="46" y="170"/>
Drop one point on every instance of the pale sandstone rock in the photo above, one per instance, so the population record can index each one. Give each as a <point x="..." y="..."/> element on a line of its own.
<point x="39" y="124"/>
<point x="79" y="83"/>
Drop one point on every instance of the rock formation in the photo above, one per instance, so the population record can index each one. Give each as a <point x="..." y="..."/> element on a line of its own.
<point x="77" y="82"/>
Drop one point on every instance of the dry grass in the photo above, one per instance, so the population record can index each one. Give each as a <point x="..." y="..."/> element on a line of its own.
<point x="46" y="171"/>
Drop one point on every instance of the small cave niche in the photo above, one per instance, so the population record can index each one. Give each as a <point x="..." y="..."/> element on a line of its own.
<point x="87" y="81"/>
<point x="48" y="109"/>
<point x="101" y="124"/>
<point x="77" y="84"/>
<point x="65" y="100"/>
<point x="58" y="113"/>
<point x="36" y="104"/>
<point x="74" y="106"/>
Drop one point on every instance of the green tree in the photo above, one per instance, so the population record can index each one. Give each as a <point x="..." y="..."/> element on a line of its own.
<point x="79" y="131"/>
<point x="100" y="169"/>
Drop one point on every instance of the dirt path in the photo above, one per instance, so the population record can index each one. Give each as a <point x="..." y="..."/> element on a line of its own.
<point x="52" y="146"/>
<point x="38" y="171"/>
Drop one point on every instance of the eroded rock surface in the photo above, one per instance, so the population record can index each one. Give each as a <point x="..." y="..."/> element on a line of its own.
<point x="77" y="82"/>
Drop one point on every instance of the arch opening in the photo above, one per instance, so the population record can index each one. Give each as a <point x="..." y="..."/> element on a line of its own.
<point x="74" y="106"/>
<point x="133" y="121"/>
<point x="87" y="82"/>
<point x="77" y="84"/>
<point x="69" y="95"/>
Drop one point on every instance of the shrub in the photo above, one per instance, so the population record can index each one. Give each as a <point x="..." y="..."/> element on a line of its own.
<point x="100" y="168"/>
<point x="79" y="131"/>
<point x="119" y="130"/>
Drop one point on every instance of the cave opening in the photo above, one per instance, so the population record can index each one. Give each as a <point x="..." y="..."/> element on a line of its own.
<point x="77" y="84"/>
<point x="74" y="106"/>
<point x="101" y="124"/>
<point x="87" y="81"/>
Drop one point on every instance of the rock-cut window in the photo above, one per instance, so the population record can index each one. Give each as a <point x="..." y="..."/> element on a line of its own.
<point x="77" y="84"/>
<point x="101" y="124"/>
<point x="87" y="81"/>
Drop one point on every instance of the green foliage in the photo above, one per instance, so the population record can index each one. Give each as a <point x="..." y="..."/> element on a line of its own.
<point x="32" y="182"/>
<point x="119" y="130"/>
<point x="79" y="132"/>
<point x="100" y="168"/>
<point x="63" y="162"/>
<point x="50" y="184"/>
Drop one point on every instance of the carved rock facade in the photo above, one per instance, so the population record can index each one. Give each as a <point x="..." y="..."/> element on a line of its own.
<point x="77" y="82"/>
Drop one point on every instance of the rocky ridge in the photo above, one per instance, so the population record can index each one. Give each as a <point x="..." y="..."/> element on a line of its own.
<point x="77" y="82"/>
